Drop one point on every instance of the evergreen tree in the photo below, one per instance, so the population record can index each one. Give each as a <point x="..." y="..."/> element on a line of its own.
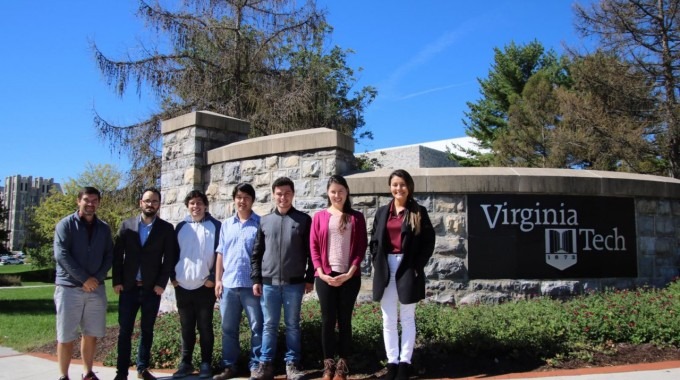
<point x="488" y="118"/>
<point x="265" y="61"/>
<point x="646" y="33"/>
<point x="609" y="117"/>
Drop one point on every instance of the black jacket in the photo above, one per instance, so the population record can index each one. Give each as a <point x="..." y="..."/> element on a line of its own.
<point x="157" y="256"/>
<point x="417" y="251"/>
<point x="281" y="252"/>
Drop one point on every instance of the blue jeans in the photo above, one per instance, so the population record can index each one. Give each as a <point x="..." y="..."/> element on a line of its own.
<point x="232" y="303"/>
<point x="273" y="298"/>
<point x="129" y="303"/>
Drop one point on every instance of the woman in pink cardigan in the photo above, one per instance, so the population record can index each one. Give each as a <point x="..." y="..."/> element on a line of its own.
<point x="338" y="242"/>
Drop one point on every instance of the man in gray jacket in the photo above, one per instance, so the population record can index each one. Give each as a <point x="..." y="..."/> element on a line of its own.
<point x="282" y="272"/>
<point x="83" y="249"/>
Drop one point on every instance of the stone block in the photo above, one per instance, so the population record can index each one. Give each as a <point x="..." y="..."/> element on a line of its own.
<point x="665" y="247"/>
<point x="291" y="161"/>
<point x="271" y="163"/>
<point x="251" y="166"/>
<point x="646" y="206"/>
<point x="319" y="188"/>
<point x="311" y="168"/>
<point x="212" y="192"/>
<point x="303" y="188"/>
<point x="330" y="167"/>
<point x="446" y="268"/>
<point x="675" y="207"/>
<point x="455" y="224"/>
<point x="363" y="201"/>
<point x="445" y="204"/>
<point x="263" y="180"/>
<point x="646" y="246"/>
<point x="308" y="140"/>
<point x="293" y="173"/>
<point x="310" y="205"/>
<point x="448" y="246"/>
<point x="263" y="209"/>
<point x="279" y="173"/>
<point x="664" y="226"/>
<point x="232" y="173"/>
<point x="560" y="289"/>
<point x="664" y="207"/>
<point x="645" y="225"/>
<point x="205" y="119"/>
<point x="192" y="176"/>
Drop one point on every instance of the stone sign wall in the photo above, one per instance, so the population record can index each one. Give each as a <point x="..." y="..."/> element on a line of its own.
<point x="211" y="152"/>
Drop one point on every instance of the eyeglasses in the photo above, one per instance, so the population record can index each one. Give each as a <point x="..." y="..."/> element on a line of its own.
<point x="151" y="202"/>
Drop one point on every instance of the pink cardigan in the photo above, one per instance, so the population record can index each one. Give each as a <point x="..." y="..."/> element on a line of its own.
<point x="318" y="241"/>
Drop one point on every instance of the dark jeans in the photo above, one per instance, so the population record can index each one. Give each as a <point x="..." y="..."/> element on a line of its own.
<point x="129" y="303"/>
<point x="337" y="305"/>
<point x="195" y="309"/>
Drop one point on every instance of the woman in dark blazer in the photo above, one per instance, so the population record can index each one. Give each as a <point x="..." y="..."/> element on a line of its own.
<point x="402" y="242"/>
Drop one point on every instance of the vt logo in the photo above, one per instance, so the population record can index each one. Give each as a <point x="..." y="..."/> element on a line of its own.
<point x="560" y="247"/>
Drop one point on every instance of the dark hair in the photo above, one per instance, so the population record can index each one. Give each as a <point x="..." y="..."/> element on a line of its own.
<point x="245" y="188"/>
<point x="195" y="194"/>
<point x="283" y="181"/>
<point x="151" y="189"/>
<point x="89" y="190"/>
<point x="412" y="208"/>
<point x="347" y="206"/>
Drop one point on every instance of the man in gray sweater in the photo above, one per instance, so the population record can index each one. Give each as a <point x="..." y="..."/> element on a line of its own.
<point x="282" y="272"/>
<point x="83" y="249"/>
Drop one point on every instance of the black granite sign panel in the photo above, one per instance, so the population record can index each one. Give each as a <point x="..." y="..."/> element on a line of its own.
<point x="550" y="237"/>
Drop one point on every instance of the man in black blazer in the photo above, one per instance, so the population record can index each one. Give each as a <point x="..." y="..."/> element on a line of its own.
<point x="144" y="255"/>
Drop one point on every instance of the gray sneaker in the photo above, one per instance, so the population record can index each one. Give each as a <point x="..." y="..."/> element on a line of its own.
<point x="293" y="371"/>
<point x="264" y="371"/>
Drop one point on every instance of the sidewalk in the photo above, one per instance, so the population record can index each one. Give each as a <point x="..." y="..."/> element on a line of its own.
<point x="18" y="366"/>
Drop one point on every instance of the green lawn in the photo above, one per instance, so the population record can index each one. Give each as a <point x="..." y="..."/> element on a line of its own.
<point x="27" y="314"/>
<point x="12" y="269"/>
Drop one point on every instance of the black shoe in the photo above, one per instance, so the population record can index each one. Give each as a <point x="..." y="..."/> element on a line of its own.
<point x="206" y="371"/>
<point x="90" y="376"/>
<point x="391" y="371"/>
<point x="64" y="378"/>
<point x="184" y="370"/>
<point x="403" y="371"/>
<point x="146" y="375"/>
<point x="121" y="376"/>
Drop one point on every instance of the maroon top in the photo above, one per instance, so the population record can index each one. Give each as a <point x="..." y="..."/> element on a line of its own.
<point x="394" y="223"/>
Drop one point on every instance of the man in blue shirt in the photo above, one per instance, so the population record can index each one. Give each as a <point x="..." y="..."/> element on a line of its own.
<point x="233" y="286"/>
<point x="83" y="249"/>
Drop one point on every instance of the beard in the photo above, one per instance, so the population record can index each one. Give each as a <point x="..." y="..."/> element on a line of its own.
<point x="149" y="213"/>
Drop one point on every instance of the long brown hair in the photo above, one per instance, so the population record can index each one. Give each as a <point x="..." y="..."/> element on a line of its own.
<point x="347" y="206"/>
<point x="412" y="208"/>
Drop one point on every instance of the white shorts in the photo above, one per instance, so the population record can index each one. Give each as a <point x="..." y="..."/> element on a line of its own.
<point x="79" y="309"/>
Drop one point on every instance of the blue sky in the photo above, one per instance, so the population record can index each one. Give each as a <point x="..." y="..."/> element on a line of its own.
<point x="424" y="57"/>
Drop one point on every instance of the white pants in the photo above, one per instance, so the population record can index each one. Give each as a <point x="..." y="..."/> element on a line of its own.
<point x="392" y="312"/>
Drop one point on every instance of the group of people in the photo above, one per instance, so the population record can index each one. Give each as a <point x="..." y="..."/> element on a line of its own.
<point x="257" y="264"/>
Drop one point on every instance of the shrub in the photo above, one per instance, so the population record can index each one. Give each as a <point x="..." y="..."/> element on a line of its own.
<point x="539" y="329"/>
<point x="10" y="280"/>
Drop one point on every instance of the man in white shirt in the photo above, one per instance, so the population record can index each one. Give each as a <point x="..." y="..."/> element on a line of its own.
<point x="194" y="282"/>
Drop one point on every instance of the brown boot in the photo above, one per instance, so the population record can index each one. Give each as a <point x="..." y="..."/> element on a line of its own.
<point x="328" y="369"/>
<point x="341" y="370"/>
